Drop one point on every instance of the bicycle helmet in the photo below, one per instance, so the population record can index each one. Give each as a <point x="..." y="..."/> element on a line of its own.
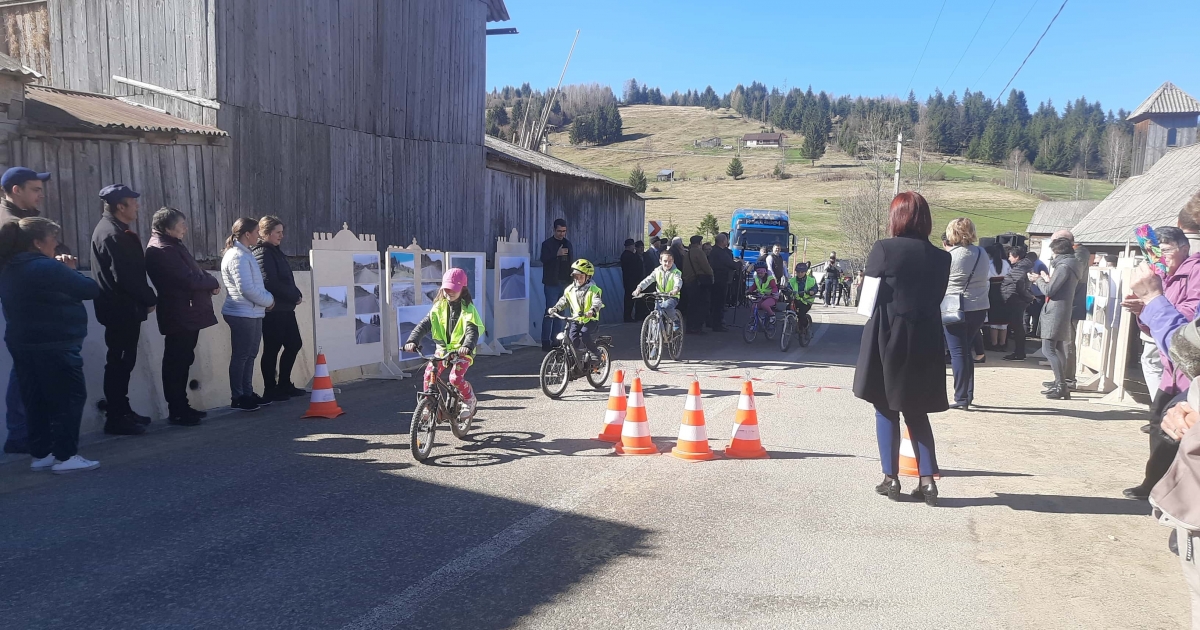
<point x="584" y="267"/>
<point x="801" y="267"/>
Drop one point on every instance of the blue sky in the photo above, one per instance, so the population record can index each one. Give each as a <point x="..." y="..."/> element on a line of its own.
<point x="1116" y="52"/>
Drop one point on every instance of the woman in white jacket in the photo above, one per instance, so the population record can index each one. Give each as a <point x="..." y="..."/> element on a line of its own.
<point x="245" y="305"/>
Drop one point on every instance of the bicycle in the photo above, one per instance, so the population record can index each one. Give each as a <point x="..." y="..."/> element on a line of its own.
<point x="844" y="291"/>
<point x="658" y="336"/>
<point x="440" y="403"/>
<point x="791" y="326"/>
<point x="563" y="364"/>
<point x="758" y="320"/>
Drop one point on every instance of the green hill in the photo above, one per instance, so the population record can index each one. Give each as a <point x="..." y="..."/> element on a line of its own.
<point x="661" y="137"/>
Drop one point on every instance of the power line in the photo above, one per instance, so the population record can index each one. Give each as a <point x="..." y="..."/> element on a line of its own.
<point x="976" y="214"/>
<point x="1011" y="35"/>
<point x="964" y="54"/>
<point x="922" y="57"/>
<point x="1035" y="45"/>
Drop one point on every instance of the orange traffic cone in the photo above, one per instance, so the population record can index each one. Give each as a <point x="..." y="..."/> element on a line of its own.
<point x="693" y="436"/>
<point x="322" y="404"/>
<point x="614" y="418"/>
<point x="746" y="443"/>
<point x="909" y="466"/>
<point x="635" y="432"/>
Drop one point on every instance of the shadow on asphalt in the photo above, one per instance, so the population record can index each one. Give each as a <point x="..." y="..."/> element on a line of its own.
<point x="1053" y="504"/>
<point x="502" y="447"/>
<point x="1070" y="412"/>
<point x="981" y="473"/>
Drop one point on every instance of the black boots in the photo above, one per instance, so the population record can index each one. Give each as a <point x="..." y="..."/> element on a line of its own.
<point x="1058" y="391"/>
<point x="890" y="487"/>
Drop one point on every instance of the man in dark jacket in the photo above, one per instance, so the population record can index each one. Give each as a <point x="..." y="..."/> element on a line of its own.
<point x="631" y="275"/>
<point x="125" y="301"/>
<point x="184" y="308"/>
<point x="23" y="191"/>
<point x="1015" y="291"/>
<point x="724" y="269"/>
<point x="556" y="256"/>
<point x="1083" y="260"/>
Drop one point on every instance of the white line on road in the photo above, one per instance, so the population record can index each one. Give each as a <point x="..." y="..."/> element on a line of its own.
<point x="395" y="611"/>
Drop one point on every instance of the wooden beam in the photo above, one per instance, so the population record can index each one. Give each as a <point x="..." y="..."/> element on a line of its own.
<point x="203" y="102"/>
<point x="502" y="31"/>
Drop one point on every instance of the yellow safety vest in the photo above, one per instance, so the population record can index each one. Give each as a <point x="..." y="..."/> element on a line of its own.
<point x="668" y="281"/>
<point x="803" y="296"/>
<point x="577" y="310"/>
<point x="762" y="286"/>
<point x="454" y="340"/>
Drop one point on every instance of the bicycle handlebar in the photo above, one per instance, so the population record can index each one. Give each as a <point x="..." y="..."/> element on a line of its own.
<point x="564" y="318"/>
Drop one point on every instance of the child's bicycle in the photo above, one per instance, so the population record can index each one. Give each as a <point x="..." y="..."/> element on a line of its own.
<point x="659" y="335"/>
<point x="563" y="364"/>
<point x="441" y="403"/>
<point x="758" y="321"/>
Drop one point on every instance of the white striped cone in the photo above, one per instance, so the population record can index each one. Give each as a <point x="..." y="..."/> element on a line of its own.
<point x="746" y="443"/>
<point x="322" y="404"/>
<point x="614" y="416"/>
<point x="693" y="435"/>
<point x="635" y="432"/>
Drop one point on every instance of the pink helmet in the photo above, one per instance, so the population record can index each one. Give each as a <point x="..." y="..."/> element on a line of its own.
<point x="454" y="279"/>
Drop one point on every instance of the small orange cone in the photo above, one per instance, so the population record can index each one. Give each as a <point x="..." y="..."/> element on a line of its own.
<point x="693" y="436"/>
<point x="614" y="418"/>
<point x="746" y="443"/>
<point x="909" y="466"/>
<point x="635" y="432"/>
<point x="322" y="404"/>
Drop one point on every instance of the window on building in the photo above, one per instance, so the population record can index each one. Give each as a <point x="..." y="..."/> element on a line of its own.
<point x="1171" y="137"/>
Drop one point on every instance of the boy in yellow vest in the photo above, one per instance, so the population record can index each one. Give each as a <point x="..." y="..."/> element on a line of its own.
<point x="668" y="279"/>
<point x="584" y="299"/>
<point x="456" y="327"/>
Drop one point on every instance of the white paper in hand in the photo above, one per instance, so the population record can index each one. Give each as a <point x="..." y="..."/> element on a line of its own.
<point x="866" y="299"/>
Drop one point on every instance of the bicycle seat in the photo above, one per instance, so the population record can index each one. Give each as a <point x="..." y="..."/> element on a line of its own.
<point x="607" y="339"/>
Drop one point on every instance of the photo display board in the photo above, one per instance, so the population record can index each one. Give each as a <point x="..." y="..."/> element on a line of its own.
<point x="414" y="277"/>
<point x="510" y="291"/>
<point x="347" y="313"/>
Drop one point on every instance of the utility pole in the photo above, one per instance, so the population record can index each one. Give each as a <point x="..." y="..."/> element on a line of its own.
<point x="899" y="152"/>
<point x="540" y="129"/>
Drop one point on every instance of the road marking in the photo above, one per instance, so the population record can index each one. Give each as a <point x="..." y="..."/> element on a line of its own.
<point x="400" y="608"/>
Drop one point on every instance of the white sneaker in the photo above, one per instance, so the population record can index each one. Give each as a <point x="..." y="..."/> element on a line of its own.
<point x="469" y="409"/>
<point x="75" y="464"/>
<point x="44" y="463"/>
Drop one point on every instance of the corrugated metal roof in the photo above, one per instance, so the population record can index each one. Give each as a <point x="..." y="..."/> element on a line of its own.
<point x="1051" y="216"/>
<point x="1155" y="197"/>
<point x="533" y="159"/>
<point x="9" y="65"/>
<point x="1167" y="99"/>
<point x="93" y="112"/>
<point x="666" y="171"/>
<point x="497" y="12"/>
<point x="763" y="136"/>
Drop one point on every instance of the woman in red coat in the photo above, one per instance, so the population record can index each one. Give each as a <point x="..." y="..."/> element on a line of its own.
<point x="901" y="363"/>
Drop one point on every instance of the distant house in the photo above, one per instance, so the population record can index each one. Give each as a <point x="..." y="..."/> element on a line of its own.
<point x="1052" y="216"/>
<point x="1155" y="198"/>
<point x="707" y="143"/>
<point x="666" y="175"/>
<point x="763" y="140"/>
<point x="1165" y="121"/>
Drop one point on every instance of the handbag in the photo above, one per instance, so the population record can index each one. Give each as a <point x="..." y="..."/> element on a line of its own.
<point x="952" y="304"/>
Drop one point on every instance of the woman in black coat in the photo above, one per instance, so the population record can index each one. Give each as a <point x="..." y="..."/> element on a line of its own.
<point x="901" y="361"/>
<point x="280" y="330"/>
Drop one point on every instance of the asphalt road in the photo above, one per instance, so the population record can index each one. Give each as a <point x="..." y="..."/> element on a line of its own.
<point x="264" y="520"/>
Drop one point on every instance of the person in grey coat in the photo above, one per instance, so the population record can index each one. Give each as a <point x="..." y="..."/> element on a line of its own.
<point x="969" y="271"/>
<point x="1059" y="287"/>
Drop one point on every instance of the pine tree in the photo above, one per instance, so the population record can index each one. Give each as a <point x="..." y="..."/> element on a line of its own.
<point x="637" y="179"/>
<point x="814" y="145"/>
<point x="709" y="227"/>
<point x="672" y="230"/>
<point x="734" y="169"/>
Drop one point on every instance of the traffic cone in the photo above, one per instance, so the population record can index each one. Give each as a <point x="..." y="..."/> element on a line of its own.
<point x="745" y="443"/>
<point x="614" y="418"/>
<point x="635" y="432"/>
<point x="693" y="436"/>
<point x="322" y="404"/>
<point x="909" y="466"/>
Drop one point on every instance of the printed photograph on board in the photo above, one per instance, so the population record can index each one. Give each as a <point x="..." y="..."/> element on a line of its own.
<point x="403" y="266"/>
<point x="406" y="320"/>
<point x="432" y="266"/>
<point x="366" y="329"/>
<point x="404" y="293"/>
<point x="467" y="265"/>
<point x="430" y="289"/>
<point x="366" y="299"/>
<point x="366" y="268"/>
<point x="514" y="277"/>
<point x="332" y="302"/>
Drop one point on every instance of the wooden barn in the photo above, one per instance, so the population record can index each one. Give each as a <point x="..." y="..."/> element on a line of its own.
<point x="1164" y="121"/>
<point x="321" y="112"/>
<point x="529" y="190"/>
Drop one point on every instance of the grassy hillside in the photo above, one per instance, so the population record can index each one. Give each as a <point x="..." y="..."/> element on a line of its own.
<point x="659" y="137"/>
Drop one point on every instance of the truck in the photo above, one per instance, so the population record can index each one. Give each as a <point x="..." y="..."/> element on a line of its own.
<point x="751" y="229"/>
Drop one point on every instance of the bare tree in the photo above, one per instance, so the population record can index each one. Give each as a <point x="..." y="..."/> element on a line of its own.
<point x="1116" y="152"/>
<point x="863" y="214"/>
<point x="1080" y="173"/>
<point x="1018" y="173"/>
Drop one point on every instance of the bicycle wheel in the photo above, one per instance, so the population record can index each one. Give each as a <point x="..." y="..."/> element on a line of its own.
<point x="459" y="426"/>
<point x="600" y="375"/>
<point x="651" y="340"/>
<point x="770" y="329"/>
<point x="750" y="330"/>
<point x="785" y="332"/>
<point x="421" y="430"/>
<point x="675" y="338"/>
<point x="554" y="374"/>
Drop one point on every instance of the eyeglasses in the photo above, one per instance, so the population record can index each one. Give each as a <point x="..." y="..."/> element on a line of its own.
<point x="1167" y="251"/>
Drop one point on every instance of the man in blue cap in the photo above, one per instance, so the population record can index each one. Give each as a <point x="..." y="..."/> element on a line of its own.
<point x="119" y="264"/>
<point x="24" y="189"/>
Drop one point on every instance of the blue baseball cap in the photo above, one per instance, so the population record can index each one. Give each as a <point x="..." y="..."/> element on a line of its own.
<point x="114" y="193"/>
<point x="19" y="175"/>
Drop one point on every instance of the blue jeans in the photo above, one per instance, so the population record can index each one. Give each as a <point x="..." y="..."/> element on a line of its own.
<point x="551" y="326"/>
<point x="887" y="430"/>
<point x="18" y="430"/>
<point x="666" y="306"/>
<point x="960" y="338"/>
<point x="245" y="336"/>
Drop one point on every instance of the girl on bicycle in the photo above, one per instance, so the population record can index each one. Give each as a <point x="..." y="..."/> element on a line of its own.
<point x="456" y="327"/>
<point x="669" y="280"/>
<point x="765" y="288"/>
